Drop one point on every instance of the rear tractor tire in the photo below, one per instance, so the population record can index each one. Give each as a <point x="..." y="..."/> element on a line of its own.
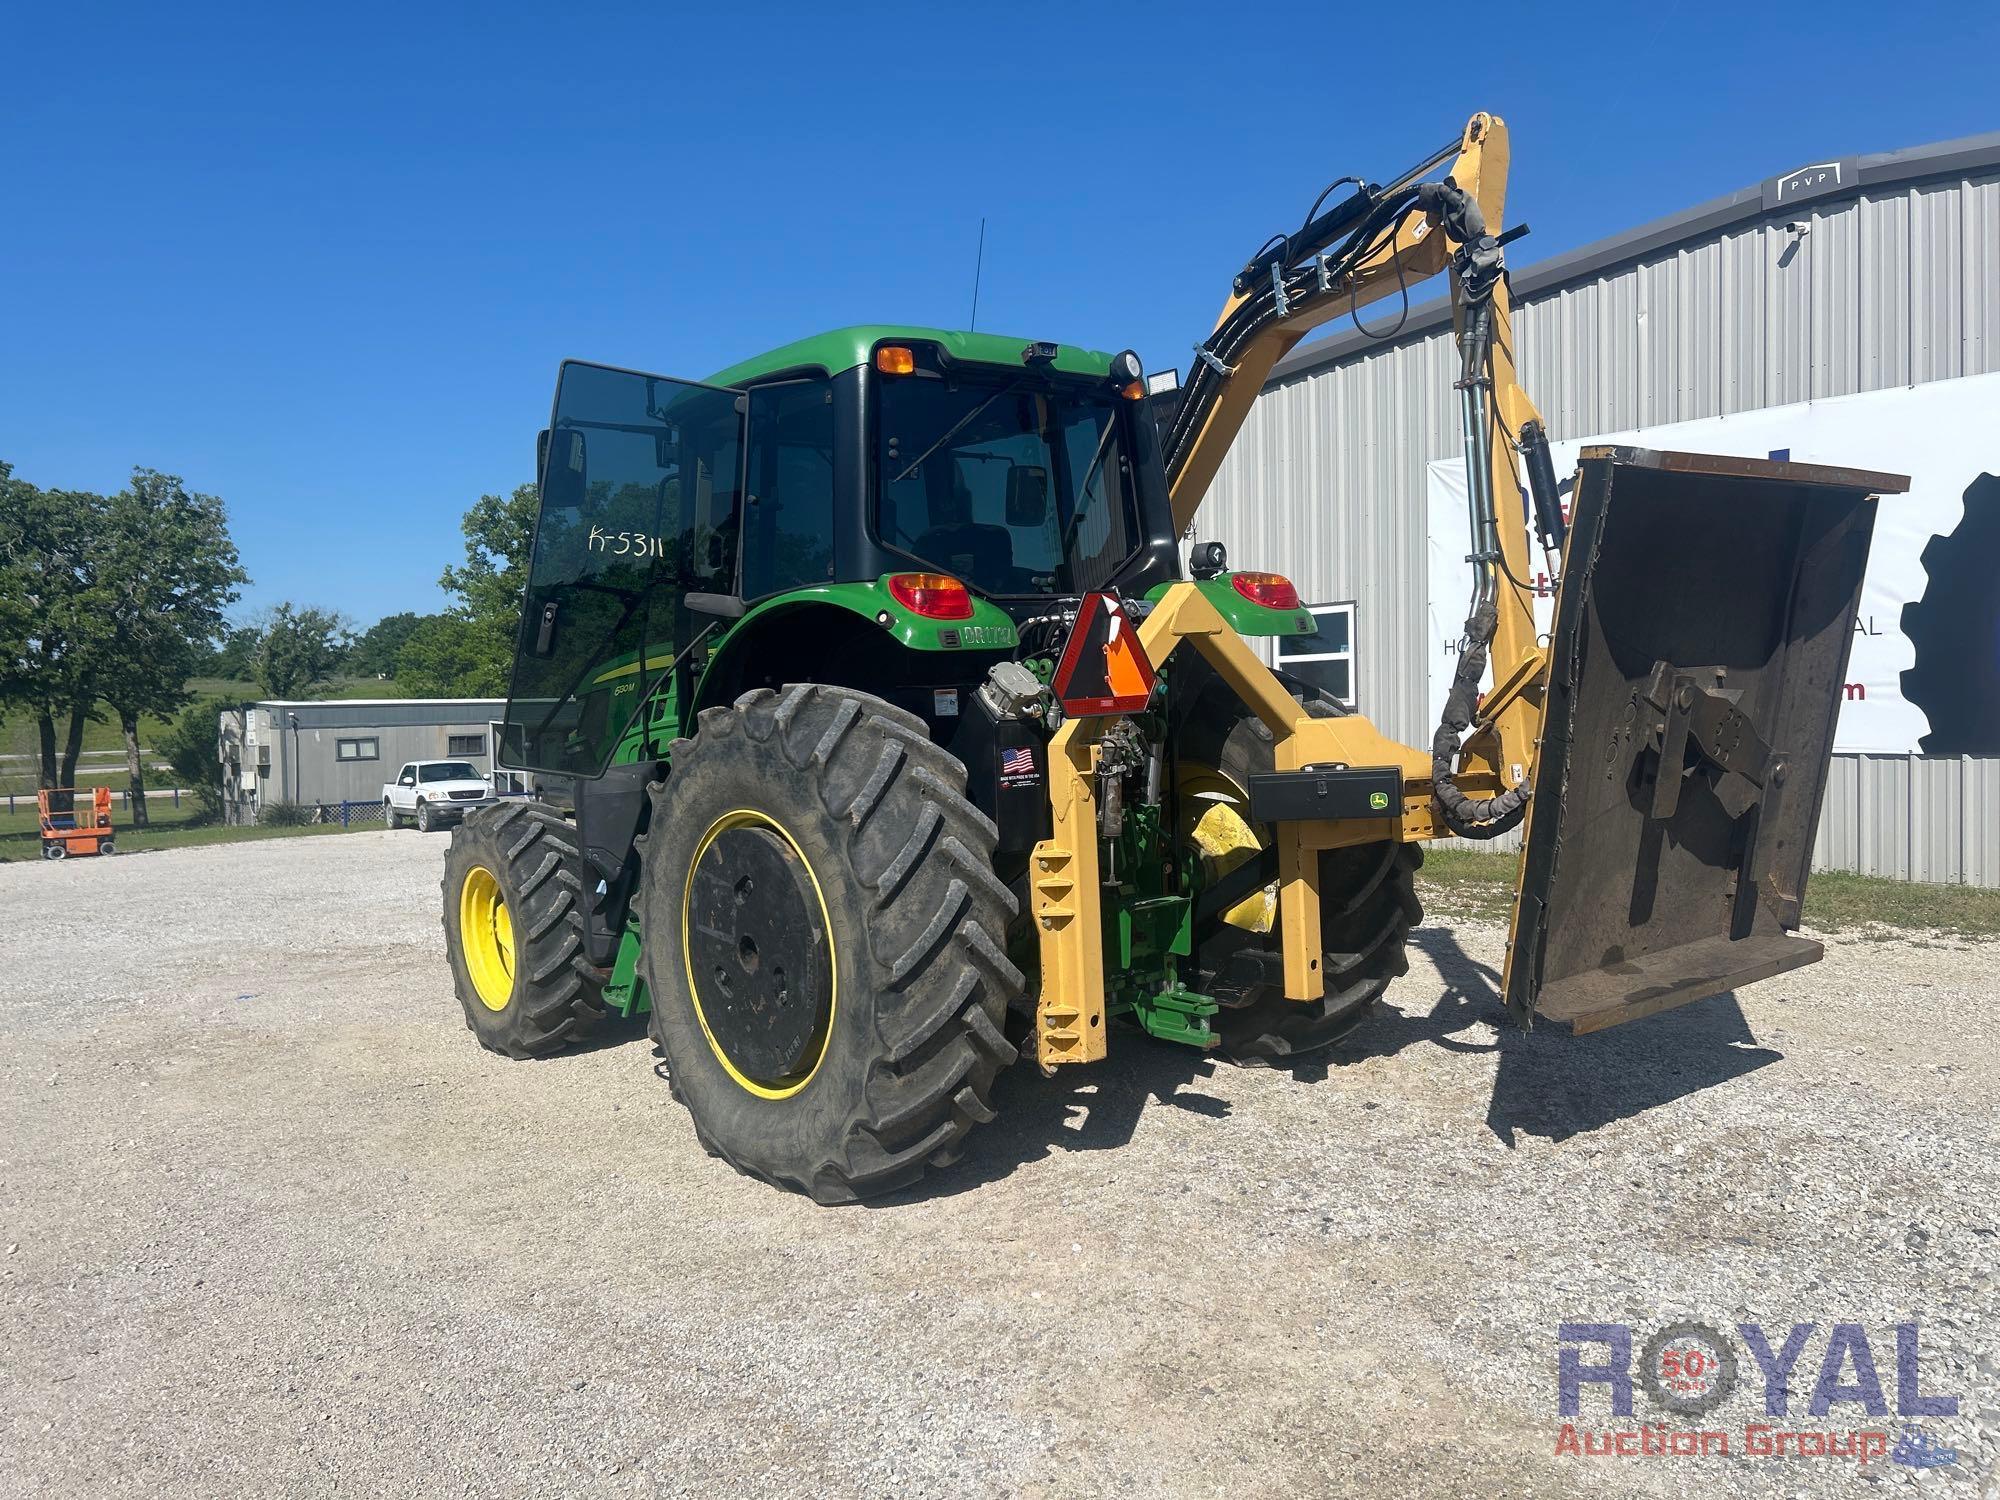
<point x="1368" y="904"/>
<point x="826" y="942"/>
<point x="513" y="930"/>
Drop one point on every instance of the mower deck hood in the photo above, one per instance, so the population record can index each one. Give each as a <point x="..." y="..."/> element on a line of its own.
<point x="1697" y="668"/>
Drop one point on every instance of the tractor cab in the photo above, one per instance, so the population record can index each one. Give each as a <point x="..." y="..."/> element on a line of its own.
<point x="875" y="487"/>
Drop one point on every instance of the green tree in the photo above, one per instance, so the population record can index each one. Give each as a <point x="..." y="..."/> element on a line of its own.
<point x="168" y="569"/>
<point x="52" y="625"/>
<point x="374" y="653"/>
<point x="499" y="533"/>
<point x="469" y="651"/>
<point x="450" y="656"/>
<point x="301" y="647"/>
<point x="189" y="746"/>
<point x="235" y="652"/>
<point x="16" y="615"/>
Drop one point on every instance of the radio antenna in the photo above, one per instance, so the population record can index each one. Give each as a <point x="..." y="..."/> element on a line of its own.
<point x="978" y="265"/>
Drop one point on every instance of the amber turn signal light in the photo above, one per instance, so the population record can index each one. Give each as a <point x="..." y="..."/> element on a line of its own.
<point x="895" y="359"/>
<point x="935" y="596"/>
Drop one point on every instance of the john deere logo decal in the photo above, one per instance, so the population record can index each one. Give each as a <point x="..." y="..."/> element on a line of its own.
<point x="1379" y="801"/>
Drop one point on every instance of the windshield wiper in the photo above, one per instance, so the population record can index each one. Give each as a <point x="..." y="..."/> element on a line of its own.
<point x="957" y="427"/>
<point x="1083" y="488"/>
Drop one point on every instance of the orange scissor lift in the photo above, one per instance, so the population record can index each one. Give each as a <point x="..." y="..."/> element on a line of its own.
<point x="66" y="830"/>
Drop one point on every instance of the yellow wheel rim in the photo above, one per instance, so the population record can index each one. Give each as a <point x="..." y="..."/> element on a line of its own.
<point x="744" y="817"/>
<point x="1214" y="810"/>
<point x="486" y="937"/>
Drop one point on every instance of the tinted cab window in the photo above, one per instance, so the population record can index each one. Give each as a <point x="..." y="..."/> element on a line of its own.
<point x="1018" y="489"/>
<point x="788" y="499"/>
<point x="639" y="507"/>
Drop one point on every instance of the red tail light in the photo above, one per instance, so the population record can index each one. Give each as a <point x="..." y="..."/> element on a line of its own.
<point x="1271" y="590"/>
<point x="935" y="596"/>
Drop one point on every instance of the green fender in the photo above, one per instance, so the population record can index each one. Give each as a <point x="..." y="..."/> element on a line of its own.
<point x="989" y="628"/>
<point x="1245" y="616"/>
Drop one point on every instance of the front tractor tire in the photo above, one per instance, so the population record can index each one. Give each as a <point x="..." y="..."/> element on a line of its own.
<point x="826" y="942"/>
<point x="513" y="930"/>
<point x="1368" y="904"/>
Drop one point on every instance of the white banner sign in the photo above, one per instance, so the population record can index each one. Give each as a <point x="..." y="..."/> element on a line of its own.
<point x="1944" y="435"/>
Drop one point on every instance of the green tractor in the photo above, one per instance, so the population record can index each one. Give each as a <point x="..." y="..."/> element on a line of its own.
<point x="794" y="634"/>
<point x="904" y="740"/>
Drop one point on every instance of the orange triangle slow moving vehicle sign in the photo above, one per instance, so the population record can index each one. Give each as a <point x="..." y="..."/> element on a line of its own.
<point x="1104" y="669"/>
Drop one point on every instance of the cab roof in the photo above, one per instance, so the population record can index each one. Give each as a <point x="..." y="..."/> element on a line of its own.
<point x="844" y="348"/>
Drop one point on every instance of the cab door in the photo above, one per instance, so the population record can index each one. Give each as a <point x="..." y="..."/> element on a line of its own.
<point x="640" y="505"/>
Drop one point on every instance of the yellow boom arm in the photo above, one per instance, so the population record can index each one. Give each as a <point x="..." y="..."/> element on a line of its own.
<point x="1497" y="758"/>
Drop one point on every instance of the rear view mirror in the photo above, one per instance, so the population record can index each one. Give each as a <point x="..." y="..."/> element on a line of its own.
<point x="564" y="469"/>
<point x="1027" y="496"/>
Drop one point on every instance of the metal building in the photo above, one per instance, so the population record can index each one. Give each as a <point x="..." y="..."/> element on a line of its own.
<point x="1840" y="277"/>
<point x="309" y="754"/>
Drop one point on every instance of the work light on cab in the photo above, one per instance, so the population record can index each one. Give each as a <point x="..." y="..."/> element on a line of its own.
<point x="1128" y="375"/>
<point x="1272" y="590"/>
<point x="935" y="596"/>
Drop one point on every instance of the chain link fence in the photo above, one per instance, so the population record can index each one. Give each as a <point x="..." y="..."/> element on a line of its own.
<point x="357" y="814"/>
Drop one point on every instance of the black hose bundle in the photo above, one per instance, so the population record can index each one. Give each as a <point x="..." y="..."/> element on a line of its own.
<point x="1308" y="263"/>
<point x="1290" y="270"/>
<point x="1471" y="817"/>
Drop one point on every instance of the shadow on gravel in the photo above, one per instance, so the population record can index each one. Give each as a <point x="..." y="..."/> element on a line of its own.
<point x="1080" y="1109"/>
<point x="1556" y="1085"/>
<point x="1548" y="1084"/>
<point x="613" y="1031"/>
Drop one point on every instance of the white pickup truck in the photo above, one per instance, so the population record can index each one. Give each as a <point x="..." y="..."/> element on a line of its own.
<point x="434" y="793"/>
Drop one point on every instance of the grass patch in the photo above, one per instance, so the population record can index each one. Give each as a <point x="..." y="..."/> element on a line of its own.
<point x="103" y="744"/>
<point x="176" y="835"/>
<point x="235" y="689"/>
<point x="25" y="823"/>
<point x="1839" y="902"/>
<point x="19" y="779"/>
<point x="1468" y="884"/>
<point x="242" y="690"/>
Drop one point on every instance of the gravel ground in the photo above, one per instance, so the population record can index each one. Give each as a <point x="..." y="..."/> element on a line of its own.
<point x="273" y="1225"/>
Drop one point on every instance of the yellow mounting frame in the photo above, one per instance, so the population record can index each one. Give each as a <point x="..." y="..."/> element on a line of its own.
<point x="1063" y="873"/>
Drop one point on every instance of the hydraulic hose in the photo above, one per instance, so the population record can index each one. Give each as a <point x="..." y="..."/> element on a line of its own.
<point x="1470" y="817"/>
<point x="1271" y="285"/>
<point x="1265" y="305"/>
<point x="1476" y="268"/>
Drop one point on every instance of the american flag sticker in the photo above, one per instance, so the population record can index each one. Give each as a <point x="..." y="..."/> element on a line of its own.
<point x="1019" y="761"/>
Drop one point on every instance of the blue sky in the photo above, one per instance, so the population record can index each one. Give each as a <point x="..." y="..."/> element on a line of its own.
<point x="323" y="262"/>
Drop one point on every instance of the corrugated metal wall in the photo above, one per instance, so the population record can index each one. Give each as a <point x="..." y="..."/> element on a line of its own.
<point x="1896" y="287"/>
